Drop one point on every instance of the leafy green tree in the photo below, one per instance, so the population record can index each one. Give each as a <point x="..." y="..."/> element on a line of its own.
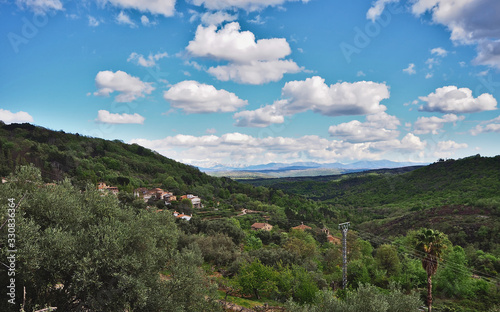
<point x="186" y="206"/>
<point x="187" y="288"/>
<point x="82" y="251"/>
<point x="454" y="279"/>
<point x="366" y="298"/>
<point x="431" y="245"/>
<point x="255" y="278"/>
<point x="386" y="257"/>
<point x="253" y="243"/>
<point x="218" y="249"/>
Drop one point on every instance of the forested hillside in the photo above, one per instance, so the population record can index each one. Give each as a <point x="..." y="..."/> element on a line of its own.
<point x="80" y="249"/>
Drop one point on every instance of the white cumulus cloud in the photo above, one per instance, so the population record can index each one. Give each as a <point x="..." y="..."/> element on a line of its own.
<point x="470" y="22"/>
<point x="340" y="99"/>
<point x="128" y="87"/>
<point x="447" y="148"/>
<point x="344" y="98"/>
<point x="243" y="149"/>
<point x="487" y="126"/>
<point x="377" y="127"/>
<point x="103" y="116"/>
<point x="251" y="61"/>
<point x="433" y="124"/>
<point x="162" y="7"/>
<point x="255" y="72"/>
<point x="261" y="117"/>
<point x="194" y="97"/>
<point x="231" y="44"/>
<point x="410" y="143"/>
<point x="451" y="99"/>
<point x="9" y="117"/>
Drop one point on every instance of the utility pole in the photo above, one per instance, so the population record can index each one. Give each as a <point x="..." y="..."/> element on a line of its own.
<point x="344" y="227"/>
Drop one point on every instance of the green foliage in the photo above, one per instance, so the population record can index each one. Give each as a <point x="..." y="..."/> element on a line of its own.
<point x="253" y="243"/>
<point x="84" y="251"/>
<point x="387" y="259"/>
<point x="366" y="298"/>
<point x="218" y="249"/>
<point x="454" y="279"/>
<point x="257" y="279"/>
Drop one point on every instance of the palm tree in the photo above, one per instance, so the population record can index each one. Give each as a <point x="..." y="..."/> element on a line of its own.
<point x="432" y="244"/>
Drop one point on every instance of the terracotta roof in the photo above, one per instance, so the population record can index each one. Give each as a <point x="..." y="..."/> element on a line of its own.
<point x="259" y="225"/>
<point x="334" y="240"/>
<point x="302" y="227"/>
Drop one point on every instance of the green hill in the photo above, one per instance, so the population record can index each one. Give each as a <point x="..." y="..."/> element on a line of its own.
<point x="59" y="154"/>
<point x="459" y="197"/>
<point x="82" y="159"/>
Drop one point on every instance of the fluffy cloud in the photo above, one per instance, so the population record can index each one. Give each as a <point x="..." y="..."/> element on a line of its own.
<point x="489" y="53"/>
<point x="450" y="99"/>
<point x="249" y="5"/>
<point x="433" y="124"/>
<point x="447" y="148"/>
<point x="410" y="70"/>
<point x="357" y="98"/>
<point x="124" y="19"/>
<point x="439" y="51"/>
<point x="378" y="127"/>
<point x="470" y="22"/>
<point x="40" y="6"/>
<point x="103" y="116"/>
<point x="256" y="72"/>
<point x="410" y="143"/>
<point x="217" y="18"/>
<point x="238" y="149"/>
<point x="450" y="145"/>
<point x="9" y="117"/>
<point x="128" y="87"/>
<point x="261" y="117"/>
<point x="250" y="61"/>
<point x="487" y="126"/>
<point x="146" y="62"/>
<point x="340" y="99"/>
<point x="231" y="44"/>
<point x="146" y="22"/>
<point x="377" y="8"/>
<point x="162" y="7"/>
<point x="194" y="97"/>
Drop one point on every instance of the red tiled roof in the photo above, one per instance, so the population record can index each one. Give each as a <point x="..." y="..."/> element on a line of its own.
<point x="302" y="227"/>
<point x="259" y="225"/>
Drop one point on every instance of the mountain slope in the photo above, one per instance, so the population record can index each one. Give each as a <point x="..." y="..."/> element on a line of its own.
<point x="446" y="182"/>
<point x="61" y="155"/>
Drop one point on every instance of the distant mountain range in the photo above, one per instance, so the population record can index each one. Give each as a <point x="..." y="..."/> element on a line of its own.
<point x="274" y="170"/>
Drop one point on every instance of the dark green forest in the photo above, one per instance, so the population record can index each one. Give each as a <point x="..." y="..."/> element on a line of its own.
<point x="79" y="249"/>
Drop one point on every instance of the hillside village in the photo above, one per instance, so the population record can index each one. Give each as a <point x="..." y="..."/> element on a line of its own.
<point x="155" y="195"/>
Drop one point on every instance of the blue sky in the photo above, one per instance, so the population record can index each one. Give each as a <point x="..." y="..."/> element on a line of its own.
<point x="241" y="82"/>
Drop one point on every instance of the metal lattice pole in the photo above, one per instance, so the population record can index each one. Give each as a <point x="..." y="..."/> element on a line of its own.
<point x="344" y="227"/>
